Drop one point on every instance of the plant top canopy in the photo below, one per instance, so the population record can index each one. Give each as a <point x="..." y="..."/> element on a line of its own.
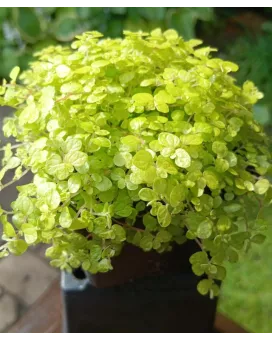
<point x="145" y="140"/>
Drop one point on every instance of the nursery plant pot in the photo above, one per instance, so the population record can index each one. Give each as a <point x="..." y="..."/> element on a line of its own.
<point x="145" y="292"/>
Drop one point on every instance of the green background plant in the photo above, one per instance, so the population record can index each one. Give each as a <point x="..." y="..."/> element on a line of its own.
<point x="26" y="30"/>
<point x="254" y="54"/>
<point x="145" y="140"/>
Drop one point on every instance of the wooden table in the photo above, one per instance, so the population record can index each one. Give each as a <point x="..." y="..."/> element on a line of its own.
<point x="45" y="316"/>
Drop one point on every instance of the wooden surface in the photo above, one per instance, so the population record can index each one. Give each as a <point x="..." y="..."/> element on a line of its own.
<point x="45" y="316"/>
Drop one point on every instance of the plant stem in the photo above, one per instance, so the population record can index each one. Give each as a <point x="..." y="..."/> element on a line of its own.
<point x="65" y="97"/>
<point x="190" y="206"/>
<point x="8" y="212"/>
<point x="3" y="246"/>
<point x="199" y="243"/>
<point x="68" y="200"/>
<point x="13" y="181"/>
<point x="15" y="146"/>
<point x="79" y="212"/>
<point x="127" y="226"/>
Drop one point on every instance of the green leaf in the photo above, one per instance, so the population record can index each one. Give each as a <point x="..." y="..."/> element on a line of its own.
<point x="198" y="269"/>
<point x="29" y="115"/>
<point x="200" y="257"/>
<point x="100" y="63"/>
<point x="221" y="273"/>
<point x="143" y="99"/>
<point x="211" y="179"/>
<point x="211" y="269"/>
<point x="148" y="195"/>
<point x="261" y="186"/>
<point x="17" y="247"/>
<point x="28" y="23"/>
<point x="104" y="265"/>
<point x="52" y="164"/>
<point x="163" y="236"/>
<point x="204" y="286"/>
<point x="168" y="140"/>
<point x="183" y="159"/>
<point x="178" y="195"/>
<point x="119" y="160"/>
<point x="62" y="71"/>
<point x="150" y="222"/>
<point x="119" y="233"/>
<point x="30" y="233"/>
<point x="164" y="217"/>
<point x="71" y="87"/>
<point x="79" y="224"/>
<point x="95" y="252"/>
<point x="74" y="183"/>
<point x="142" y="159"/>
<point x="138" y="123"/>
<point x="65" y="218"/>
<point x="223" y="223"/>
<point x="258" y="238"/>
<point x="14" y="73"/>
<point x="195" y="139"/>
<point x="219" y="148"/>
<point x="140" y="206"/>
<point x="193" y="220"/>
<point x="231" y="208"/>
<point x="104" y="185"/>
<point x="203" y="127"/>
<point x="122" y="209"/>
<point x="126" y="77"/>
<point x="167" y="165"/>
<point x="131" y="142"/>
<point x="231" y="159"/>
<point x="204" y="229"/>
<point x="146" y="242"/>
<point x="76" y="158"/>
<point x="72" y="144"/>
<point x="221" y="165"/>
<point x="233" y="256"/>
<point x="52" y="199"/>
<point x="171" y="34"/>
<point x="24" y="205"/>
<point x="160" y="186"/>
<point x="8" y="228"/>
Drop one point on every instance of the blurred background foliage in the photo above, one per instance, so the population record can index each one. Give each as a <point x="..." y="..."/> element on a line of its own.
<point x="24" y="30"/>
<point x="243" y="35"/>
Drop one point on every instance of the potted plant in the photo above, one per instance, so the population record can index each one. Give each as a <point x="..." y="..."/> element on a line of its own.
<point x="147" y="161"/>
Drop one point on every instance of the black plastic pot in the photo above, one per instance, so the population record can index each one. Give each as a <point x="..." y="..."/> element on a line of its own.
<point x="160" y="296"/>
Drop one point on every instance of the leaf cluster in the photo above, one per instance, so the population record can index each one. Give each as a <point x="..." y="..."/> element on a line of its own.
<point x="145" y="140"/>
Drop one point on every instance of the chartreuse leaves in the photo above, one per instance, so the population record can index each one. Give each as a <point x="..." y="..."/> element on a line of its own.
<point x="8" y="229"/>
<point x="261" y="186"/>
<point x="147" y="194"/>
<point x="17" y="247"/>
<point x="145" y="140"/>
